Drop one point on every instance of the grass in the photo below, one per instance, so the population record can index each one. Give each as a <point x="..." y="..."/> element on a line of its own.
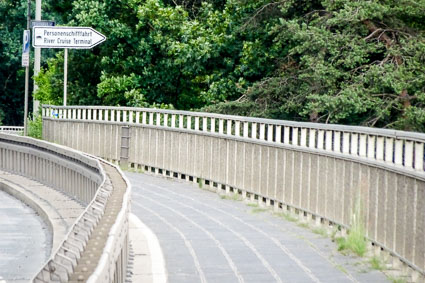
<point x="396" y="279"/>
<point x="303" y="225"/>
<point x="252" y="204"/>
<point x="200" y="183"/>
<point x="258" y="210"/>
<point x="286" y="216"/>
<point x="376" y="263"/>
<point x="234" y="197"/>
<point x="341" y="268"/>
<point x="320" y="231"/>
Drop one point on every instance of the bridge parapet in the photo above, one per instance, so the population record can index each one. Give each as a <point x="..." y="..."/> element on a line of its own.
<point x="12" y="130"/>
<point x="318" y="171"/>
<point x="398" y="148"/>
<point x="96" y="184"/>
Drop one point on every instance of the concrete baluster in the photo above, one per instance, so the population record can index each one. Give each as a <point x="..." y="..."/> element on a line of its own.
<point x="61" y="114"/>
<point x="74" y="113"/>
<point x="303" y="137"/>
<point x="166" y="120"/>
<point x="112" y="115"/>
<point x="320" y="139"/>
<point x="419" y="156"/>
<point x="196" y="123"/>
<point x="173" y="121"/>
<point x="398" y="153"/>
<point x="229" y="127"/>
<point x="286" y="134"/>
<point x="380" y="148"/>
<point x="69" y="112"/>
<point x="328" y="141"/>
<point x="79" y="114"/>
<point x="295" y="136"/>
<point x="220" y="126"/>
<point x="158" y="119"/>
<point x="245" y="129"/>
<point x="137" y="117"/>
<point x="124" y="116"/>
<point x="362" y="145"/>
<point x="254" y="130"/>
<point x="144" y="118"/>
<point x="119" y="115"/>
<point x="189" y="122"/>
<point x="279" y="134"/>
<point x="312" y="138"/>
<point x="204" y="124"/>
<point x="346" y="143"/>
<point x="83" y="116"/>
<point x="262" y="131"/>
<point x="106" y="115"/>
<point x="181" y="121"/>
<point x="130" y="117"/>
<point x="337" y="141"/>
<point x="100" y="114"/>
<point x="270" y="132"/>
<point x="212" y="125"/>
<point x="237" y="128"/>
<point x="354" y="144"/>
<point x="371" y="146"/>
<point x="408" y="154"/>
<point x="389" y="150"/>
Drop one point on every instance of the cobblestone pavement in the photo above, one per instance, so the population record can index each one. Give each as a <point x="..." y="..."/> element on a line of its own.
<point x="25" y="242"/>
<point x="208" y="238"/>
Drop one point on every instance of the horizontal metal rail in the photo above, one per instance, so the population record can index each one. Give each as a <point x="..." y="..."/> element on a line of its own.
<point x="398" y="148"/>
<point x="83" y="178"/>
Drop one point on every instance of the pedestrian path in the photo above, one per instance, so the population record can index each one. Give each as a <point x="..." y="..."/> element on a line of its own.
<point x="208" y="238"/>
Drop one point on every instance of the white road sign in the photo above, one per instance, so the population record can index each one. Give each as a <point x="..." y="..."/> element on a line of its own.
<point x="66" y="37"/>
<point x="26" y="49"/>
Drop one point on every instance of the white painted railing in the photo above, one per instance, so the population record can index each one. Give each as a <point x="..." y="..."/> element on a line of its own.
<point x="398" y="148"/>
<point x="12" y="130"/>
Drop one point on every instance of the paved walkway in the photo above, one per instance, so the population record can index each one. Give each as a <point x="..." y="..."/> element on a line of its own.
<point x="205" y="238"/>
<point x="25" y="241"/>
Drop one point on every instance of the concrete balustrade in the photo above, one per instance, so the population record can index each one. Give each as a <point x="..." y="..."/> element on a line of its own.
<point x="99" y="186"/>
<point x="319" y="171"/>
<point x="12" y="130"/>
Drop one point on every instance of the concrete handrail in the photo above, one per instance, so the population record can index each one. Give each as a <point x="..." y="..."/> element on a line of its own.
<point x="398" y="148"/>
<point x="84" y="179"/>
<point x="12" y="130"/>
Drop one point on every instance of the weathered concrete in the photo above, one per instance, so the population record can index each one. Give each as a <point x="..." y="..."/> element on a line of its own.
<point x="208" y="239"/>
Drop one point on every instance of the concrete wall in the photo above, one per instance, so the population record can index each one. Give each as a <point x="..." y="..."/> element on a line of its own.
<point x="316" y="183"/>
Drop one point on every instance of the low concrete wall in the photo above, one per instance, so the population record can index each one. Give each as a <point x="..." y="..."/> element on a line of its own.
<point x="320" y="184"/>
<point x="91" y="182"/>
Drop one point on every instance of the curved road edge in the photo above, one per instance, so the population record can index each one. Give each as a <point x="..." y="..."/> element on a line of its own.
<point x="149" y="264"/>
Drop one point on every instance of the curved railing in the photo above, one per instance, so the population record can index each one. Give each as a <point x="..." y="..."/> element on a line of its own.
<point x="399" y="148"/>
<point x="319" y="171"/>
<point x="12" y="130"/>
<point x="89" y="181"/>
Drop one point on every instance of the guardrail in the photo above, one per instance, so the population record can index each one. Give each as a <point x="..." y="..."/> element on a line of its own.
<point x="93" y="183"/>
<point x="399" y="148"/>
<point x="13" y="130"/>
<point x="318" y="171"/>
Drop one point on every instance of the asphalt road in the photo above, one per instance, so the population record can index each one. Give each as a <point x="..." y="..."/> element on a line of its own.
<point x="25" y="241"/>
<point x="208" y="238"/>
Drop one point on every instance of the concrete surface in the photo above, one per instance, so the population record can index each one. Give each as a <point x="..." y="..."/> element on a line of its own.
<point x="205" y="238"/>
<point x="25" y="241"/>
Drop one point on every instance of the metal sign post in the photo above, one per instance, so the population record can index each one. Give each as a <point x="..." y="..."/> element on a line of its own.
<point x="26" y="49"/>
<point x="67" y="38"/>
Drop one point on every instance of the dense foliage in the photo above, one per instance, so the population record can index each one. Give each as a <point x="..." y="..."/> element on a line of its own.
<point x="335" y="61"/>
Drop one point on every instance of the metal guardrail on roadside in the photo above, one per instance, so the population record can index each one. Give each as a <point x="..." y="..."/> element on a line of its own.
<point x="86" y="179"/>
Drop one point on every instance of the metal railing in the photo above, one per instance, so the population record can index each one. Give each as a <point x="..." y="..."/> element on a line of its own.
<point x="85" y="179"/>
<point x="398" y="148"/>
<point x="13" y="130"/>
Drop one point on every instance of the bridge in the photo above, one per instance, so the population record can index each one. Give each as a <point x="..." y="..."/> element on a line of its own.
<point x="329" y="176"/>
